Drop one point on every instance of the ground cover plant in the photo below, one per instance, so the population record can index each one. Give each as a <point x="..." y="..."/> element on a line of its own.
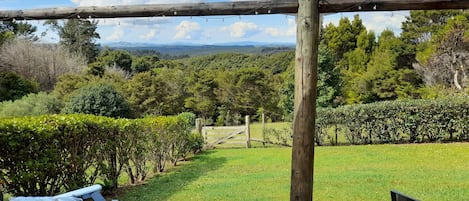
<point x="368" y="172"/>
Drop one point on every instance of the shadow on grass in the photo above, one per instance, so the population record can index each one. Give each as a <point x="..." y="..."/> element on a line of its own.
<point x="161" y="187"/>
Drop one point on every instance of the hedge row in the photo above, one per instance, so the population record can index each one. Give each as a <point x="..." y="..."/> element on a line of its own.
<point x="411" y="121"/>
<point x="48" y="154"/>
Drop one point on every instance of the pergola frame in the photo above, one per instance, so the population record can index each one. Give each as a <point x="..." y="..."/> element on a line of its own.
<point x="305" y="59"/>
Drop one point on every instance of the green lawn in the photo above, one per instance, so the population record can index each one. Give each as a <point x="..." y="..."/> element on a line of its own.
<point x="427" y="171"/>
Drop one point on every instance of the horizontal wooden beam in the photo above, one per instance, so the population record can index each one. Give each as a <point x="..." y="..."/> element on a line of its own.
<point x="226" y="8"/>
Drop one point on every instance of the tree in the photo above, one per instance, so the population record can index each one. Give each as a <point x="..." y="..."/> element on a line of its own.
<point x="79" y="36"/>
<point x="201" y="99"/>
<point x="31" y="105"/>
<point x="342" y="38"/>
<point x="13" y="87"/>
<point x="144" y="63"/>
<point x="381" y="78"/>
<point x="147" y="94"/>
<point x="116" y="58"/>
<point x="99" y="99"/>
<point x="10" y="30"/>
<point x="43" y="63"/>
<point x="420" y="27"/>
<point x="449" y="64"/>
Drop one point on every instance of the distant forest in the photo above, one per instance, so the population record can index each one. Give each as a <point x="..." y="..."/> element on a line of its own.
<point x="429" y="59"/>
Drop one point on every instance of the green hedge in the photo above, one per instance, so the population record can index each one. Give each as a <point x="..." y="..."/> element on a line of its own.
<point x="45" y="155"/>
<point x="413" y="121"/>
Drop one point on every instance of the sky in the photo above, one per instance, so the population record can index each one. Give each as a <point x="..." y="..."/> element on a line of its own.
<point x="276" y="28"/>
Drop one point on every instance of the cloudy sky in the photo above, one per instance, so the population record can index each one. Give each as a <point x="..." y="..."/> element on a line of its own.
<point x="198" y="30"/>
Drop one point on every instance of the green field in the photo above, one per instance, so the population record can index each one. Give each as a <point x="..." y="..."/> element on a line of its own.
<point x="425" y="171"/>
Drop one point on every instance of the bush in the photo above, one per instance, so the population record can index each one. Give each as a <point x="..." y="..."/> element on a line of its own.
<point x="51" y="153"/>
<point x="99" y="99"/>
<point x="13" y="87"/>
<point x="443" y="119"/>
<point x="31" y="105"/>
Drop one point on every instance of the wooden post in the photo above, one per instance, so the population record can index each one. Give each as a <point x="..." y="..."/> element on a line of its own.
<point x="248" y="134"/>
<point x="306" y="62"/>
<point x="263" y="126"/>
<point x="204" y="134"/>
<point x="198" y="125"/>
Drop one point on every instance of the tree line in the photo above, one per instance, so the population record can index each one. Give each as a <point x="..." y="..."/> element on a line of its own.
<point x="428" y="59"/>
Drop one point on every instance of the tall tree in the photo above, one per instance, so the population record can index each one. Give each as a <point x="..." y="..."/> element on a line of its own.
<point x="79" y="36"/>
<point x="342" y="38"/>
<point x="449" y="64"/>
<point x="23" y="30"/>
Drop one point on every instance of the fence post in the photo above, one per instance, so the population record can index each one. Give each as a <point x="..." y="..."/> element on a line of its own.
<point x="198" y="125"/>
<point x="204" y="134"/>
<point x="263" y="126"/>
<point x="248" y="134"/>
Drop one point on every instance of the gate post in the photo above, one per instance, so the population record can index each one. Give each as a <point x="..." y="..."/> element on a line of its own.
<point x="248" y="134"/>
<point x="198" y="125"/>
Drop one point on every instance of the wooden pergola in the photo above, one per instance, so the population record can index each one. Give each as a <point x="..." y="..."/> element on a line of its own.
<point x="306" y="50"/>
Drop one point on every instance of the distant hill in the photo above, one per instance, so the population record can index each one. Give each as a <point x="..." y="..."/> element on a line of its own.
<point x="199" y="50"/>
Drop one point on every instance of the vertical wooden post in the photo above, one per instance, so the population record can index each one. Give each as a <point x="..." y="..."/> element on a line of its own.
<point x="306" y="62"/>
<point x="198" y="125"/>
<point x="248" y="134"/>
<point x="263" y="127"/>
<point x="204" y="134"/>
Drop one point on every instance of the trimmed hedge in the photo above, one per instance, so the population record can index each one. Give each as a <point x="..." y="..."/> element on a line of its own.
<point x="412" y="121"/>
<point x="45" y="155"/>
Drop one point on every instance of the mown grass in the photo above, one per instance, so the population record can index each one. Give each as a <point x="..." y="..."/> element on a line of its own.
<point x="425" y="171"/>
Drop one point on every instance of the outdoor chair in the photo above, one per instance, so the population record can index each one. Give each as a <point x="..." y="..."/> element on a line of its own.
<point x="91" y="192"/>
<point x="397" y="196"/>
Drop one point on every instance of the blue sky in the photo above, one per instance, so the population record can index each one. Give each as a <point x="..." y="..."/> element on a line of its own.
<point x="198" y="30"/>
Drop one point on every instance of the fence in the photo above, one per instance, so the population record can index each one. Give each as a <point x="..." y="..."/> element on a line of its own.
<point x="226" y="136"/>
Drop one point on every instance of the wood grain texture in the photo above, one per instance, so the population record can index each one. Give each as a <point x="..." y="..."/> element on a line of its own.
<point x="306" y="63"/>
<point x="226" y="8"/>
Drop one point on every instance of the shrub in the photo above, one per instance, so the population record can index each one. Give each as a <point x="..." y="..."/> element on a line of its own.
<point x="443" y="119"/>
<point x="31" y="105"/>
<point x="99" y="99"/>
<point x="51" y="153"/>
<point x="13" y="87"/>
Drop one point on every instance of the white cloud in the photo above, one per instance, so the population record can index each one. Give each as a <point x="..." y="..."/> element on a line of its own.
<point x="187" y="30"/>
<point x="117" y="34"/>
<point x="376" y="21"/>
<point x="150" y="35"/>
<point x="242" y="29"/>
<point x="282" y="32"/>
<point x="379" y="22"/>
<point x="128" y="2"/>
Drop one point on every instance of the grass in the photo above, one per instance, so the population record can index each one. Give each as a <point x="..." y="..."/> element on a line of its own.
<point x="426" y="171"/>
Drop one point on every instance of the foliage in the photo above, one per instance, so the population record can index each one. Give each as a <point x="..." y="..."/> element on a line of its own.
<point x="79" y="36"/>
<point x="67" y="84"/>
<point x="116" y="58"/>
<point x="10" y="30"/>
<point x="43" y="63"/>
<point x="13" y="87"/>
<point x="31" y="105"/>
<point x="144" y="63"/>
<point x="437" y="120"/>
<point x="99" y="99"/>
<point x="48" y="154"/>
<point x="146" y="94"/>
